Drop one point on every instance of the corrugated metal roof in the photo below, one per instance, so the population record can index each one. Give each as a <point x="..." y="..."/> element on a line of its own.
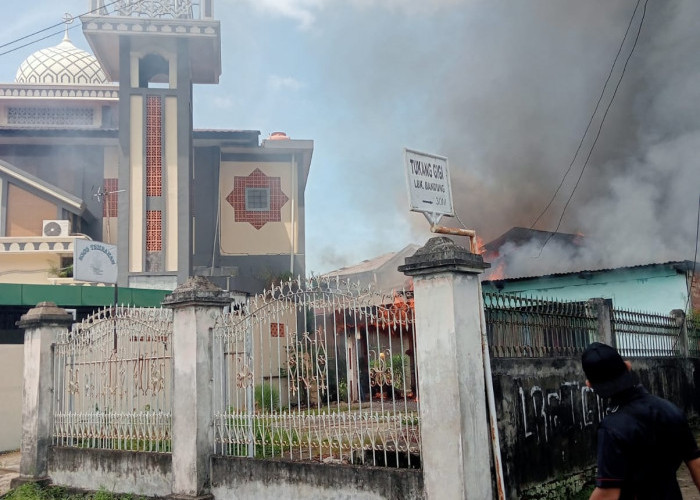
<point x="370" y="264"/>
<point x="678" y="265"/>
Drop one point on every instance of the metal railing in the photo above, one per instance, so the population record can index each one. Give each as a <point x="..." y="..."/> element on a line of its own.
<point x="318" y="370"/>
<point x="693" y="329"/>
<point x="645" y="334"/>
<point x="113" y="381"/>
<point x="519" y="326"/>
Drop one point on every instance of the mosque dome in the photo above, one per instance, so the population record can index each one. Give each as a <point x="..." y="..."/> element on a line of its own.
<point x="64" y="64"/>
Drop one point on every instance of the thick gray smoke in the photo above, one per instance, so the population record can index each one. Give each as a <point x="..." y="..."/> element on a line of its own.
<point x="638" y="198"/>
<point x="505" y="89"/>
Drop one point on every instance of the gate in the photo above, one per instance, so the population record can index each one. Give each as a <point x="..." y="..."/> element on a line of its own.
<point x="113" y="381"/>
<point x="318" y="370"/>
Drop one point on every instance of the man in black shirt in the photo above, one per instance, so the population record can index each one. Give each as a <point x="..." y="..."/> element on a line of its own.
<point x="642" y="440"/>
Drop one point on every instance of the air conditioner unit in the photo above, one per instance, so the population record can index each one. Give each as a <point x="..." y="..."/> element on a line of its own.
<point x="55" y="228"/>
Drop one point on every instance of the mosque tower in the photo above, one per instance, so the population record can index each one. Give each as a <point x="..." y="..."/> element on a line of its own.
<point x="156" y="50"/>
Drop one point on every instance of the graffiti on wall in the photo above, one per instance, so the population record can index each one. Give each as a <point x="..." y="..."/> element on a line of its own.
<point x="545" y="412"/>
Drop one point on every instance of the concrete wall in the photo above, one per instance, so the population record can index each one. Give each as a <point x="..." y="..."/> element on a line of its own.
<point x="150" y="474"/>
<point x="244" y="478"/>
<point x="548" y="418"/>
<point x="11" y="369"/>
<point x="132" y="472"/>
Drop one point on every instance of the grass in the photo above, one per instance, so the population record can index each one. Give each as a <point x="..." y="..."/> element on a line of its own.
<point x="32" y="491"/>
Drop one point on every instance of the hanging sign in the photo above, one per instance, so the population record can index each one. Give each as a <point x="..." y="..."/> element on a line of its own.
<point x="94" y="261"/>
<point x="429" y="187"/>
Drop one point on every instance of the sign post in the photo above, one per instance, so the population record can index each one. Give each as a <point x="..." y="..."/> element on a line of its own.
<point x="429" y="186"/>
<point x="96" y="262"/>
<point x="430" y="192"/>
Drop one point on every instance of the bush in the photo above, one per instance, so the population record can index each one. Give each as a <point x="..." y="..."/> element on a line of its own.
<point x="267" y="398"/>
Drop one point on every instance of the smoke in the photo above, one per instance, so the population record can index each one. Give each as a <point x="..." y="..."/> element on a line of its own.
<point x="505" y="89"/>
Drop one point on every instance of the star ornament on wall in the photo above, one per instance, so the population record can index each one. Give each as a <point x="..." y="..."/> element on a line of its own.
<point x="257" y="218"/>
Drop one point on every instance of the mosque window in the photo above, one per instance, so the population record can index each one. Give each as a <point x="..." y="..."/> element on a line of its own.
<point x="154" y="151"/>
<point x="154" y="230"/>
<point x="154" y="72"/>
<point x="50" y="116"/>
<point x="257" y="199"/>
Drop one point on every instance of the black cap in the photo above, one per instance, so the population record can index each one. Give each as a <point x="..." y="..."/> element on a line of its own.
<point x="606" y="370"/>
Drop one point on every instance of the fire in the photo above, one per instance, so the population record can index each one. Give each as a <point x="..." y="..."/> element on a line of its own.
<point x="480" y="245"/>
<point x="499" y="271"/>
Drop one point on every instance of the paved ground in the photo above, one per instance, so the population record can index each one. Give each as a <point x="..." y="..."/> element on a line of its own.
<point x="690" y="492"/>
<point x="9" y="468"/>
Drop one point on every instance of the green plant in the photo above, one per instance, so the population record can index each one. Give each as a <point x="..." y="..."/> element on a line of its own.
<point x="267" y="398"/>
<point x="103" y="494"/>
<point x="61" y="272"/>
<point x="388" y="373"/>
<point x="342" y="390"/>
<point x="28" y="491"/>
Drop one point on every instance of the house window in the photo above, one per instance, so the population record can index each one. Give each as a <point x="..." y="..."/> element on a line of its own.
<point x="277" y="329"/>
<point x="257" y="199"/>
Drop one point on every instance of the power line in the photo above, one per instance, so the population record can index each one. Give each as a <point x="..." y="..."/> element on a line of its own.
<point x="590" y="121"/>
<point x="37" y="40"/>
<point x="62" y="23"/>
<point x="600" y="127"/>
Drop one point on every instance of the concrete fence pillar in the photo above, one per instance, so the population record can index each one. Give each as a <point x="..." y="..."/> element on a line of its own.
<point x="606" y="330"/>
<point x="195" y="305"/>
<point x="41" y="325"/>
<point x="455" y="432"/>
<point x="679" y="317"/>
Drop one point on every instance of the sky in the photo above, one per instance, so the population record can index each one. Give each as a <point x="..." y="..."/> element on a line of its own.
<point x="503" y="88"/>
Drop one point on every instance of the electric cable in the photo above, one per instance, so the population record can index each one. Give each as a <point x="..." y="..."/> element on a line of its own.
<point x="600" y="127"/>
<point x="62" y="30"/>
<point x="62" y="23"/>
<point x="590" y="121"/>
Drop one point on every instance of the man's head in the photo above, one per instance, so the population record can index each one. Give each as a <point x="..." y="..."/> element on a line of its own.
<point x="606" y="371"/>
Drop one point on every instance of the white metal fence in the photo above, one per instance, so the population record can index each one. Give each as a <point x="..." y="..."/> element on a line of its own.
<point x="113" y="381"/>
<point x="318" y="370"/>
<point x="640" y="334"/>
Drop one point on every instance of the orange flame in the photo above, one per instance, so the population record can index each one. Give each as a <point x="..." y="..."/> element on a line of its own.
<point x="499" y="271"/>
<point x="480" y="245"/>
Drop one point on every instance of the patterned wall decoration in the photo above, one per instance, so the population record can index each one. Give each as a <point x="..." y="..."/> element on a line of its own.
<point x="154" y="230"/>
<point x="50" y="116"/>
<point x="154" y="151"/>
<point x="257" y="218"/>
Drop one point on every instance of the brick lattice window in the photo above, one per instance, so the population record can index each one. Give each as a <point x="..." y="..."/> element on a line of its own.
<point x="258" y="184"/>
<point x="111" y="198"/>
<point x="277" y="329"/>
<point x="154" y="231"/>
<point x="154" y="150"/>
